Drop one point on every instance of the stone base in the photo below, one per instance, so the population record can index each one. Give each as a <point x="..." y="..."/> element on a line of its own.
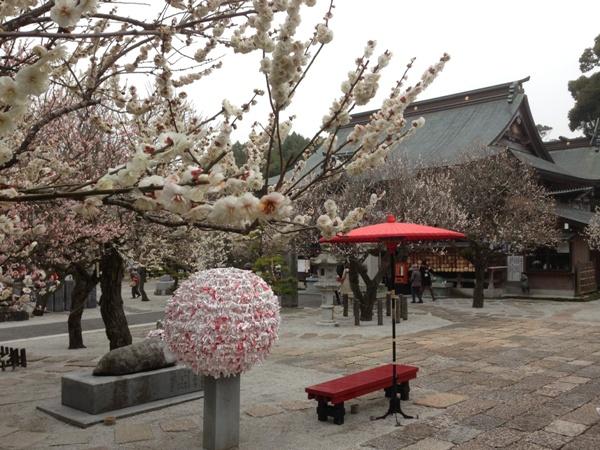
<point x="221" y="430"/>
<point x="82" y="419"/>
<point x="99" y="394"/>
<point x="327" y="316"/>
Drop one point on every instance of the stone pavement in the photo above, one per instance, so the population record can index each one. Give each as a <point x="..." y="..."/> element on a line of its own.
<point x="516" y="375"/>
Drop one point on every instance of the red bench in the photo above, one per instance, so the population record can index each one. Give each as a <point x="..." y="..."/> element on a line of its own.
<point x="351" y="386"/>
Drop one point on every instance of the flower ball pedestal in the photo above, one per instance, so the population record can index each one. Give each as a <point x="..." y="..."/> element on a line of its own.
<point x="220" y="322"/>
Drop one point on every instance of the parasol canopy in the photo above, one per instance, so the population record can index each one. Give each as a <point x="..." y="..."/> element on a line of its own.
<point x="394" y="232"/>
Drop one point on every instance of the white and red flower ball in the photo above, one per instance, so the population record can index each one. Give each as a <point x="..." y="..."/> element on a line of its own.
<point x="220" y="322"/>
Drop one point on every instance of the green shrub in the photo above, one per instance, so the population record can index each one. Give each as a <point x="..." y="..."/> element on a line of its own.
<point x="276" y="273"/>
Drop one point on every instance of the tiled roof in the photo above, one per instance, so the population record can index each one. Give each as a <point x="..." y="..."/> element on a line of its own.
<point x="584" y="161"/>
<point x="573" y="214"/>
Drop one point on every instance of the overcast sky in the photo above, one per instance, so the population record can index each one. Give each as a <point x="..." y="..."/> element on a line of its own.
<point x="490" y="42"/>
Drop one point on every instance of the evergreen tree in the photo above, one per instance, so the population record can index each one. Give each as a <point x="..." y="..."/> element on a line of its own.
<point x="586" y="92"/>
<point x="293" y="144"/>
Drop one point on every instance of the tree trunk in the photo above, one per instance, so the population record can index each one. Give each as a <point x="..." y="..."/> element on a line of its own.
<point x="142" y="273"/>
<point x="111" y="302"/>
<point x="480" y="264"/>
<point x="368" y="302"/>
<point x="368" y="299"/>
<point x="84" y="283"/>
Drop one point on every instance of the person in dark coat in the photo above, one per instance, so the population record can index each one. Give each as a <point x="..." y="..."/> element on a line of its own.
<point x="426" y="279"/>
<point x="416" y="284"/>
<point x="135" y="284"/>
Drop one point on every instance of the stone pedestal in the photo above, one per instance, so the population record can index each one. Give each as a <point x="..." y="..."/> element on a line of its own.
<point x="327" y="315"/>
<point x="98" y="394"/>
<point x="221" y="429"/>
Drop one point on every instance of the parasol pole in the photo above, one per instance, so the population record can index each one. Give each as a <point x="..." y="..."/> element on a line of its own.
<point x="394" y="406"/>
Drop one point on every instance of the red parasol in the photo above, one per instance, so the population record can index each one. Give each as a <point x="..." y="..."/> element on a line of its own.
<point x="393" y="233"/>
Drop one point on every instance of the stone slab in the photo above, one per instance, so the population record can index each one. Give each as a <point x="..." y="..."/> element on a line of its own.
<point x="178" y="425"/>
<point x="4" y="430"/>
<point x="99" y="394"/>
<point x="23" y="439"/>
<point x="263" y="410"/>
<point x="442" y="400"/>
<point x="133" y="432"/>
<point x="430" y="444"/>
<point x="298" y="405"/>
<point x="566" y="428"/>
<point x="458" y="434"/>
<point x="70" y="438"/>
<point x="82" y="419"/>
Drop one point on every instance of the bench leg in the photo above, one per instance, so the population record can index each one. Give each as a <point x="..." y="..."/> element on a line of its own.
<point x="322" y="410"/>
<point x="336" y="411"/>
<point x="404" y="390"/>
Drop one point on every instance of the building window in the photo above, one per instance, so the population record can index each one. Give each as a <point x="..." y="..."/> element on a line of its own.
<point x="548" y="260"/>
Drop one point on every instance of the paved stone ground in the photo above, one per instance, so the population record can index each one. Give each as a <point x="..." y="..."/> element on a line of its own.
<point x="516" y="375"/>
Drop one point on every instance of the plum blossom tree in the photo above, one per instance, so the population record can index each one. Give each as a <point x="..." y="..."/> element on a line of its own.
<point x="507" y="210"/>
<point x="411" y="192"/>
<point x="159" y="248"/>
<point x="181" y="170"/>
<point x="592" y="231"/>
<point x="73" y="245"/>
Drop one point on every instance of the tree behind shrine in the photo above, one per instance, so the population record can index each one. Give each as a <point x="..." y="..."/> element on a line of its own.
<point x="507" y="210"/>
<point x="586" y="92"/>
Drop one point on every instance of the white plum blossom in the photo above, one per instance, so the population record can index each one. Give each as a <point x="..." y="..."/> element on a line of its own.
<point x="226" y="210"/>
<point x="199" y="213"/>
<point x="172" y="197"/>
<point x="275" y="206"/>
<point x="32" y="79"/>
<point x="7" y="124"/>
<point x="154" y="180"/>
<point x="418" y="123"/>
<point x="89" y="208"/>
<point x="65" y="13"/>
<point x="324" y="34"/>
<point x="10" y="94"/>
<point x="145" y="203"/>
<point x="331" y="208"/>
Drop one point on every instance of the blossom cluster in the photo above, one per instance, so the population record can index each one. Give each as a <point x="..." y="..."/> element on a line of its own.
<point x="30" y="80"/>
<point x="171" y="164"/>
<point x="331" y="223"/>
<point x="387" y="126"/>
<point x="66" y="13"/>
<point x="220" y="322"/>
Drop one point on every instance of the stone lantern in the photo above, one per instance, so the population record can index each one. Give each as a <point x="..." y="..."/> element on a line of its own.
<point x="326" y="264"/>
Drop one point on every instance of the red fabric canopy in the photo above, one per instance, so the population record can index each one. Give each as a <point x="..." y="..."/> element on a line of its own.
<point x="393" y="231"/>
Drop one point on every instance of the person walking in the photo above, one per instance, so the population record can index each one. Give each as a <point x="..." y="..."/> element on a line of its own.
<point x="524" y="283"/>
<point x="345" y="289"/>
<point x="135" y="284"/>
<point x="416" y="284"/>
<point x="426" y="279"/>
